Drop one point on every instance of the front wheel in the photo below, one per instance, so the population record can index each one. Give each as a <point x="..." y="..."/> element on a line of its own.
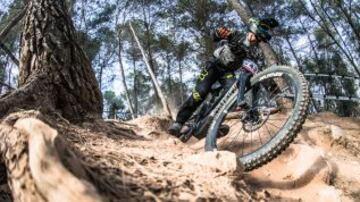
<point x="278" y="100"/>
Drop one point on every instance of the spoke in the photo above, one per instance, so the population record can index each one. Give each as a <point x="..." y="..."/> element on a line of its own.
<point x="251" y="132"/>
<point x="268" y="130"/>
<point x="243" y="145"/>
<point x="288" y="108"/>
<point x="259" y="137"/>
<point x="235" y="122"/>
<point x="279" y="94"/>
<point x="276" y="119"/>
<point x="234" y="138"/>
<point x="273" y="91"/>
<point x="273" y="124"/>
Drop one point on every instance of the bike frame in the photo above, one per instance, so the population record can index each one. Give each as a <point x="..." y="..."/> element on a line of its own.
<point x="208" y="109"/>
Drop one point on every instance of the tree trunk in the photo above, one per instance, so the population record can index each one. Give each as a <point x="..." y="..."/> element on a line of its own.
<point x="135" y="94"/>
<point x="123" y="79"/>
<point x="326" y="29"/>
<point x="356" y="30"/>
<point x="245" y="14"/>
<point x="2" y="76"/>
<point x="55" y="73"/>
<point x="147" y="23"/>
<point x="333" y="25"/>
<point x="310" y="41"/>
<point x="100" y="75"/>
<point x="293" y="52"/>
<point x="9" y="76"/>
<point x="335" y="28"/>
<point x="182" y="90"/>
<point x="156" y="83"/>
<point x="169" y="80"/>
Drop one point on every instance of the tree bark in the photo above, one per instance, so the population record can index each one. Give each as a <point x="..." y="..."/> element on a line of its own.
<point x="245" y="14"/>
<point x="153" y="78"/>
<point x="33" y="154"/>
<point x="55" y="73"/>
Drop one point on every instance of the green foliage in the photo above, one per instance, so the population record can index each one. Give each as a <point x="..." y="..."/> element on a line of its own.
<point x="91" y="46"/>
<point x="113" y="103"/>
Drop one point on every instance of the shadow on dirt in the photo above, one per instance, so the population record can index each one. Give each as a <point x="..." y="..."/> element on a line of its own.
<point x="299" y="182"/>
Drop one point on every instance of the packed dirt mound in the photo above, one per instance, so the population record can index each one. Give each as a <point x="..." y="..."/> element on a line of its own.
<point x="156" y="167"/>
<point x="151" y="126"/>
<point x="323" y="164"/>
<point x="139" y="161"/>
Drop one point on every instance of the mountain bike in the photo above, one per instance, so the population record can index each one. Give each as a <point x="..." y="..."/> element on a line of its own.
<point x="277" y="100"/>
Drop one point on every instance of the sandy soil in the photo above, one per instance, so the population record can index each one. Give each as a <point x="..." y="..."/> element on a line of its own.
<point x="323" y="164"/>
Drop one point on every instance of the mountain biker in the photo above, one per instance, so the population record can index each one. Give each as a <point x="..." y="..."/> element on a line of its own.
<point x="233" y="48"/>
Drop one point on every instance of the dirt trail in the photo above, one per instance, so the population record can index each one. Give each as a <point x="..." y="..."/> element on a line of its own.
<point x="323" y="164"/>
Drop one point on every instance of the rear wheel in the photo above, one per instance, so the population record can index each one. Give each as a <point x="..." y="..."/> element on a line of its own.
<point x="278" y="101"/>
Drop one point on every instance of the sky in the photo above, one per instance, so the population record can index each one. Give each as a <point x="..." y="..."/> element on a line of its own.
<point x="116" y="86"/>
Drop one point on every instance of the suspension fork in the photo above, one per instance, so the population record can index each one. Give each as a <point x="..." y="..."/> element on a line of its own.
<point x="243" y="84"/>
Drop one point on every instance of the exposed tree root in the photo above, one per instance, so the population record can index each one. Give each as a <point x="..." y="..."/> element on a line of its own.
<point x="47" y="158"/>
<point x="31" y="151"/>
<point x="30" y="96"/>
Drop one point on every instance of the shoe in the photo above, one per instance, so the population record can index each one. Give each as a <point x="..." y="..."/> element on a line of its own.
<point x="175" y="128"/>
<point x="223" y="130"/>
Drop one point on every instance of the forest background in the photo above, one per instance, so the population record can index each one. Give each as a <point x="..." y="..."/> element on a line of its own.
<point x="321" y="37"/>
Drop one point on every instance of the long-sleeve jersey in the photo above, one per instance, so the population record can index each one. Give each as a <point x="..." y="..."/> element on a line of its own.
<point x="232" y="49"/>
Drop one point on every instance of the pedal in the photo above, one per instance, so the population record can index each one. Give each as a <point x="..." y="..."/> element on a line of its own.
<point x="186" y="133"/>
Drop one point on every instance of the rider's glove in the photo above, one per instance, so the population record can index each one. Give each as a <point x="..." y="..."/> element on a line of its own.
<point x="236" y="43"/>
<point x="221" y="34"/>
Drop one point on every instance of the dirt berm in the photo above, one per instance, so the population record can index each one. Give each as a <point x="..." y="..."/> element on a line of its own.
<point x="323" y="164"/>
<point x="139" y="161"/>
